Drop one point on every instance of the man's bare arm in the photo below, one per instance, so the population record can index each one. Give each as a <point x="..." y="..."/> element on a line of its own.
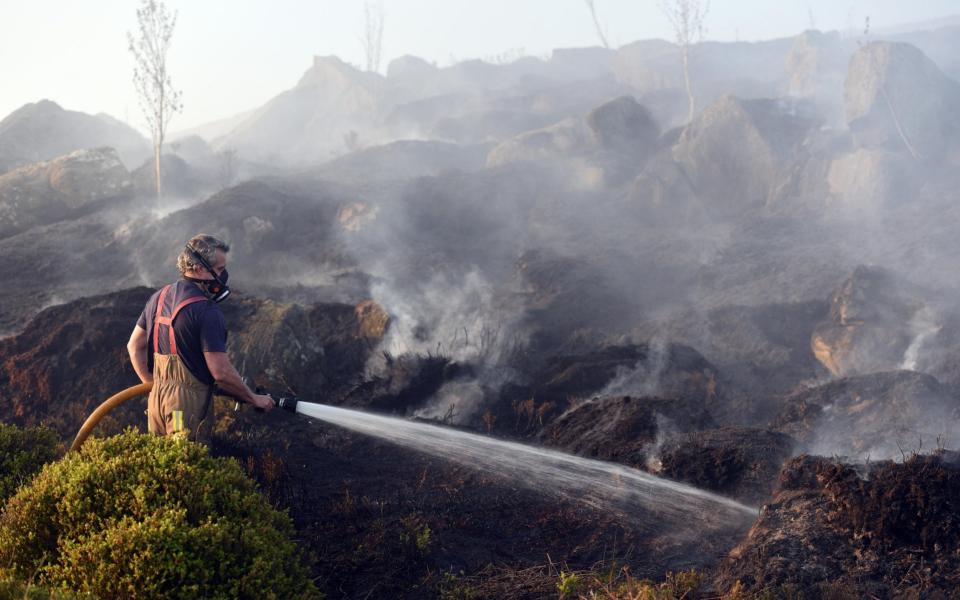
<point x="230" y="381"/>
<point x="137" y="348"/>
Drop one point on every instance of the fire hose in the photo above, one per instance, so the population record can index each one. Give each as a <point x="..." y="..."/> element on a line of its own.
<point x="285" y="402"/>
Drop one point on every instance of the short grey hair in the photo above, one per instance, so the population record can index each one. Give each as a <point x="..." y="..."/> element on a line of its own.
<point x="206" y="246"/>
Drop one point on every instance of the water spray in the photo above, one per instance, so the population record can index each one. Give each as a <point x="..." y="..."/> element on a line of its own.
<point x="643" y="499"/>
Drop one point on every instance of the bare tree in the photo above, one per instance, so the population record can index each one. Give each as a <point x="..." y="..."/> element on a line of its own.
<point x="372" y="38"/>
<point x="158" y="99"/>
<point x="596" y="23"/>
<point x="686" y="17"/>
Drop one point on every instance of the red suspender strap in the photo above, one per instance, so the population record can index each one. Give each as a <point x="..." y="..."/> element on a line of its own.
<point x="176" y="311"/>
<point x="157" y="317"/>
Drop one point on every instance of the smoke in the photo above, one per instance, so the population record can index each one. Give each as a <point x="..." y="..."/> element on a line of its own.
<point x="643" y="379"/>
<point x="456" y="318"/>
<point x="922" y="325"/>
<point x="665" y="428"/>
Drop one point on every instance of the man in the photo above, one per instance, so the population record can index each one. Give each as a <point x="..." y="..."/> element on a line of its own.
<point x="180" y="344"/>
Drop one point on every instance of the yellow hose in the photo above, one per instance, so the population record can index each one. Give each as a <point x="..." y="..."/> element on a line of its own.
<point x="108" y="405"/>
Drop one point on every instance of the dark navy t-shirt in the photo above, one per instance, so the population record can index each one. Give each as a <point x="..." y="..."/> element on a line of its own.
<point x="200" y="327"/>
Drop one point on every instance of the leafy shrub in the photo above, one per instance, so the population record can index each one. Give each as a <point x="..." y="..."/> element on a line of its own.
<point x="22" y="453"/>
<point x="139" y="516"/>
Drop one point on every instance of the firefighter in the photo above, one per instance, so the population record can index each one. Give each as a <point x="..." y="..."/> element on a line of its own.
<point x="180" y="344"/>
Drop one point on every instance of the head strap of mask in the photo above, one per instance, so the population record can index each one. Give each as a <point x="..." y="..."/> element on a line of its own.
<point x="215" y="288"/>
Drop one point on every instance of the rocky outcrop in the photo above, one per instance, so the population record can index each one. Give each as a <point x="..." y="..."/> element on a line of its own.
<point x="43" y="130"/>
<point x="64" y="188"/>
<point x="876" y="416"/>
<point x="873" y="320"/>
<point x="897" y="99"/>
<point x="833" y="530"/>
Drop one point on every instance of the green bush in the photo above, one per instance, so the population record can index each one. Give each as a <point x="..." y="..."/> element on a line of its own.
<point x="22" y="454"/>
<point x="139" y="516"/>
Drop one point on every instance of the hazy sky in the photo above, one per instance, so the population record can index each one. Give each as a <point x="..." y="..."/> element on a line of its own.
<point x="229" y="56"/>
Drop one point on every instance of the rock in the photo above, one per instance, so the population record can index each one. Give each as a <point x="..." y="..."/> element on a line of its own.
<point x="623" y="125"/>
<point x="64" y="188"/>
<point x="735" y="149"/>
<point x="816" y="68"/>
<point x="897" y="99"/>
<point x="569" y="138"/>
<point x="872" y="322"/>
<point x="836" y="530"/>
<point x="373" y="320"/>
<point x="607" y="147"/>
<point x="738" y="462"/>
<point x="867" y="180"/>
<point x="876" y="416"/>
<point x="43" y="130"/>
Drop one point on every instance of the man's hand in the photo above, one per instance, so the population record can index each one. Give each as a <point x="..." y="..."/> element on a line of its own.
<point x="231" y="383"/>
<point x="263" y="402"/>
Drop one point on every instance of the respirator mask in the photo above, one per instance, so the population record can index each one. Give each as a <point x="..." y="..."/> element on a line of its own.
<point x="216" y="289"/>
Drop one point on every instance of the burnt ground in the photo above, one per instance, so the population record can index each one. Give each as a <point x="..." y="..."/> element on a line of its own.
<point x="880" y="531"/>
<point x="382" y="521"/>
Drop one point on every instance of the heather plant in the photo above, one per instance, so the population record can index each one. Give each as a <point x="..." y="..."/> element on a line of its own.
<point x="139" y="516"/>
<point x="23" y="452"/>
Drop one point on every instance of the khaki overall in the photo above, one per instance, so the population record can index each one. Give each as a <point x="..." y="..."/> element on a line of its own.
<point x="179" y="404"/>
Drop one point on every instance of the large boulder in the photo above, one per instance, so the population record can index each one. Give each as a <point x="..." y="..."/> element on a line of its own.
<point x="870" y="179"/>
<point x="897" y="99"/>
<point x="607" y="146"/>
<point x="734" y="150"/>
<point x="43" y="130"/>
<point x="872" y="322"/>
<point x="64" y="188"/>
